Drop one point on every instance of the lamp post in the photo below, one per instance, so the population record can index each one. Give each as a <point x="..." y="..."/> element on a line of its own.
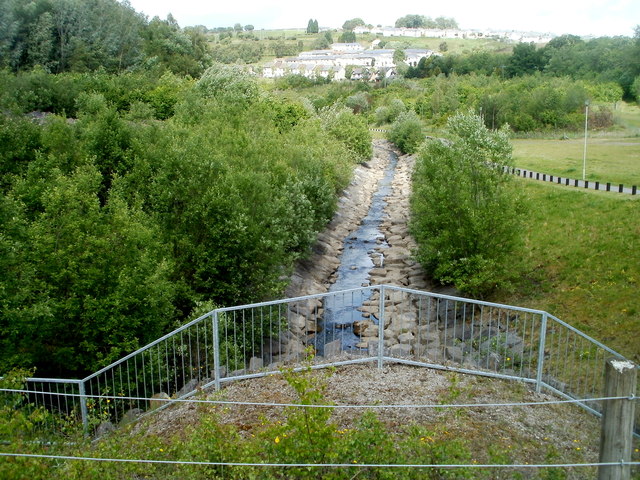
<point x="586" y="125"/>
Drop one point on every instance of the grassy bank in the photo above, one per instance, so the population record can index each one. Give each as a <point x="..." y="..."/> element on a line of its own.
<point x="615" y="160"/>
<point x="584" y="262"/>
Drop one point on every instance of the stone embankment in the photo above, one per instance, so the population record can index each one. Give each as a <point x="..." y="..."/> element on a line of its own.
<point x="392" y="258"/>
<point x="315" y="274"/>
<point x="431" y="329"/>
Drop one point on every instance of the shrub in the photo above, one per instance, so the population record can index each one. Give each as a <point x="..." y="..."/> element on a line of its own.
<point x="407" y="132"/>
<point x="465" y="215"/>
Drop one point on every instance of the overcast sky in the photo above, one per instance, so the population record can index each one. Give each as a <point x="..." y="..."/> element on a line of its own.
<point x="585" y="17"/>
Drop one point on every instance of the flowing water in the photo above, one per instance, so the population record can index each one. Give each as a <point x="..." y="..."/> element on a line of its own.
<point x="358" y="257"/>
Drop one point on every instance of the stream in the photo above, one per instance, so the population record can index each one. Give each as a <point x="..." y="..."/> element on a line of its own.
<point x="358" y="257"/>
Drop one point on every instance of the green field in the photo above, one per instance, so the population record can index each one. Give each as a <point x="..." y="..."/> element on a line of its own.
<point x="583" y="259"/>
<point x="615" y="160"/>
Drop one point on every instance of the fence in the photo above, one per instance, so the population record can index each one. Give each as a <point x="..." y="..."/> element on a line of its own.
<point x="606" y="187"/>
<point x="375" y="324"/>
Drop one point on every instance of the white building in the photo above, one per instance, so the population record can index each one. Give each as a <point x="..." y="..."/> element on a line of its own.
<point x="346" y="47"/>
<point x="369" y="64"/>
<point x="512" y="36"/>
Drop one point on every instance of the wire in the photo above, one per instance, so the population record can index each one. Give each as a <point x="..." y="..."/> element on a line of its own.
<point x="268" y="404"/>
<point x="305" y="465"/>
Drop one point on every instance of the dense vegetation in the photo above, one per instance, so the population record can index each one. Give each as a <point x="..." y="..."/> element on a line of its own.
<point x="139" y="178"/>
<point x="158" y="194"/>
<point x="466" y="217"/>
<point x="79" y="36"/>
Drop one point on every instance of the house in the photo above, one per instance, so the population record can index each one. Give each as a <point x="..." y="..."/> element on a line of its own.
<point x="367" y="64"/>
<point x="346" y="47"/>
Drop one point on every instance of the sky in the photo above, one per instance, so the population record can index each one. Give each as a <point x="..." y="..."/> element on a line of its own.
<point x="585" y="17"/>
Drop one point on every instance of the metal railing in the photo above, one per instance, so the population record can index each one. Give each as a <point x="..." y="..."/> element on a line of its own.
<point x="375" y="324"/>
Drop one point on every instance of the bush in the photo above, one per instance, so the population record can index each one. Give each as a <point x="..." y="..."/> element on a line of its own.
<point x="465" y="215"/>
<point x="350" y="129"/>
<point x="407" y="132"/>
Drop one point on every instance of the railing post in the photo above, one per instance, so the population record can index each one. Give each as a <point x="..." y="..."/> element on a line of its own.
<point x="216" y="350"/>
<point x="543" y="339"/>
<point x="381" y="327"/>
<point x="616" y="434"/>
<point x="83" y="407"/>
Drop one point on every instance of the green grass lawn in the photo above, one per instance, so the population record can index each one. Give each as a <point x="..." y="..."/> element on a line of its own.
<point x="628" y="117"/>
<point x="583" y="262"/>
<point x="615" y="160"/>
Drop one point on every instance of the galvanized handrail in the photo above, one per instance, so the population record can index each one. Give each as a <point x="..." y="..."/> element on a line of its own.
<point x="411" y="327"/>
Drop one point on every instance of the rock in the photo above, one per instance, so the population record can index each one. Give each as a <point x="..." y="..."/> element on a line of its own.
<point x="460" y="331"/>
<point x="158" y="400"/>
<point x="296" y="321"/>
<point x="131" y="416"/>
<point x="342" y="325"/>
<point x="403" y="323"/>
<point x="400" y="350"/>
<point x="449" y="311"/>
<point x="361" y="326"/>
<point x="333" y="349"/>
<point x="104" y="428"/>
<point x="223" y="372"/>
<point x="394" y="240"/>
<point x="406" y="337"/>
<point x="494" y="361"/>
<point x="296" y="349"/>
<point x="188" y="387"/>
<point x="455" y="354"/>
<point x="428" y="338"/>
<point x="311" y="326"/>
<point x="255" y="364"/>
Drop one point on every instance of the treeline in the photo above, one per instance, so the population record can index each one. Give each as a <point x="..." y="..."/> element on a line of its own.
<point x="123" y="212"/>
<point x="80" y="36"/>
<point x="529" y="103"/>
<point x="606" y="59"/>
<point x="420" y="21"/>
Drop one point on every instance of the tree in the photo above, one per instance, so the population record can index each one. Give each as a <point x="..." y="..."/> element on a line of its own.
<point x="229" y="84"/>
<point x="89" y="282"/>
<point x="525" y="59"/>
<point x="353" y="23"/>
<point x="358" y="102"/>
<point x="347" y="37"/>
<point x="399" y="56"/>
<point x="312" y="26"/>
<point x="465" y="213"/>
<point x="446" y="23"/>
<point x="412" y="21"/>
<point x="249" y="28"/>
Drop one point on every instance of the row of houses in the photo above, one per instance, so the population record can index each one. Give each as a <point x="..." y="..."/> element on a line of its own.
<point x="342" y="61"/>
<point x="513" y="36"/>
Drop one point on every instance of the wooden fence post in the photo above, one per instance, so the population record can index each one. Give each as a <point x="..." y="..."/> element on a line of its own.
<point x="616" y="438"/>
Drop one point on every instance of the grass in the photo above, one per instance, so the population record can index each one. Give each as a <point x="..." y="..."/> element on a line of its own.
<point x="628" y="117"/>
<point x="612" y="156"/>
<point x="615" y="160"/>
<point x="583" y="259"/>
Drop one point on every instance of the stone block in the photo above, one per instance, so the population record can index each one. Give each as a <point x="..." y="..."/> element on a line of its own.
<point x="400" y="350"/>
<point x="255" y="364"/>
<point x="158" y="400"/>
<point x="455" y="354"/>
<point x="333" y="349"/>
